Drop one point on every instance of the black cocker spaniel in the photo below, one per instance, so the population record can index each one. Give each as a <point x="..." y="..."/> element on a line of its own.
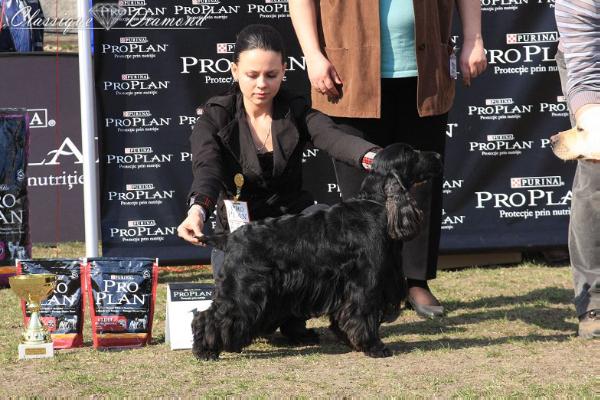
<point x="338" y="262"/>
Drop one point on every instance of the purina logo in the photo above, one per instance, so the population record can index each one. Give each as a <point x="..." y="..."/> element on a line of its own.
<point x="143" y="222"/>
<point x="138" y="158"/>
<point x="225" y="48"/>
<point x="528" y="54"/>
<point x="208" y="10"/>
<point x="221" y="66"/>
<point x="141" y="194"/>
<point x="492" y="102"/>
<point x="142" y="231"/>
<point x="531" y="37"/>
<point x="500" y="145"/>
<point x="38" y="118"/>
<point x="135" y="85"/>
<point x="271" y="9"/>
<point x="497" y="109"/>
<point x="536" y="182"/>
<point x="138" y="150"/>
<point x="142" y="113"/>
<point x="133" y="40"/>
<point x="135" y="77"/>
<point x="132" y="3"/>
<point x="558" y="109"/>
<point x="137" y="121"/>
<point x="537" y="192"/>
<point x="134" y="48"/>
<point x="201" y="2"/>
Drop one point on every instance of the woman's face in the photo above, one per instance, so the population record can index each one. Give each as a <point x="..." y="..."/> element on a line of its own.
<point x="259" y="73"/>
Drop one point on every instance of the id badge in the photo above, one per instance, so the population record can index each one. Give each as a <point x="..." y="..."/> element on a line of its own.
<point x="237" y="214"/>
<point x="453" y="69"/>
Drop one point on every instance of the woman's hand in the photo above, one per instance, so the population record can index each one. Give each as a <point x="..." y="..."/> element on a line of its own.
<point x="323" y="75"/>
<point x="191" y="227"/>
<point x="472" y="59"/>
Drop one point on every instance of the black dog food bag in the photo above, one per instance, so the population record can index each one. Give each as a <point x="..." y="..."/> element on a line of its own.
<point x="14" y="207"/>
<point x="62" y="312"/>
<point x="122" y="292"/>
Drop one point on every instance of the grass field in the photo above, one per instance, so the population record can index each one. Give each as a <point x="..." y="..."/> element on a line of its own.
<point x="509" y="332"/>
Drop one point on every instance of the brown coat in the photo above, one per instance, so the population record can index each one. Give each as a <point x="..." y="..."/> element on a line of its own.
<point x="349" y="34"/>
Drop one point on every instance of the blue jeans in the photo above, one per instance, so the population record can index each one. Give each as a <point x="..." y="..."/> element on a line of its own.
<point x="584" y="225"/>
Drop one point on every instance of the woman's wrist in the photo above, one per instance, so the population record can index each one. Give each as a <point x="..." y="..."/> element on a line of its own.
<point x="197" y="209"/>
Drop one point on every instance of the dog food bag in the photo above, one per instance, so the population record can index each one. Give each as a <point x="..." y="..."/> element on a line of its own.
<point x="121" y="293"/>
<point x="14" y="204"/>
<point x="62" y="311"/>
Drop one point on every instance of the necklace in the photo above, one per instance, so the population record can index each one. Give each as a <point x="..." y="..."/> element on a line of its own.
<point x="261" y="146"/>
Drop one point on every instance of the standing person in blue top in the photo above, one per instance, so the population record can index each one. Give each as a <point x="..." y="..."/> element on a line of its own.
<point x="578" y="59"/>
<point x="385" y="67"/>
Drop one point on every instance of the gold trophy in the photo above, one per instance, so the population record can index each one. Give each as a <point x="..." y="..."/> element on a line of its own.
<point x="35" y="340"/>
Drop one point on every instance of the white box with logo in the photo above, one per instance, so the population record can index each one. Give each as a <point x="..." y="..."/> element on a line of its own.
<point x="183" y="300"/>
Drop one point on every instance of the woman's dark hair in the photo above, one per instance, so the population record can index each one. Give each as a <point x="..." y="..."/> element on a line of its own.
<point x="258" y="36"/>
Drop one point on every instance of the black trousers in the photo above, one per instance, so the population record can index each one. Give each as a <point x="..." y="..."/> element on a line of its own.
<point x="400" y="122"/>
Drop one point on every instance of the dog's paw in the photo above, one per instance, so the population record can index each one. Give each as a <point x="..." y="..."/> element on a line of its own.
<point x="379" y="352"/>
<point x="206" y="355"/>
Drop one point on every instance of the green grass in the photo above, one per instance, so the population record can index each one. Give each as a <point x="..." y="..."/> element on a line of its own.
<point x="509" y="332"/>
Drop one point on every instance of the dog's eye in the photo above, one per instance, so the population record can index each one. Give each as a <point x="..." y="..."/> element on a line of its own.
<point x="579" y="129"/>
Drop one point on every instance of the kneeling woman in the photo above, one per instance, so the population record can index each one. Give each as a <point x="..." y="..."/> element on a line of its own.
<point x="259" y="132"/>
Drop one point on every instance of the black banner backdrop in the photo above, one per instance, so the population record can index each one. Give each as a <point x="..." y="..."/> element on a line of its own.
<point x="503" y="188"/>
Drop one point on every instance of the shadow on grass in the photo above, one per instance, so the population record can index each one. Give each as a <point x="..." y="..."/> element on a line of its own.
<point x="530" y="308"/>
<point x="456" y="344"/>
<point x="549" y="295"/>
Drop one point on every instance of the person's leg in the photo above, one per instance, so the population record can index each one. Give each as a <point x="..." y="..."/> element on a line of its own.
<point x="584" y="247"/>
<point x="419" y="256"/>
<point x="584" y="231"/>
<point x="400" y="122"/>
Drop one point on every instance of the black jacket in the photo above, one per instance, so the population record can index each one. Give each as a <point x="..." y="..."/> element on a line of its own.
<point x="222" y="146"/>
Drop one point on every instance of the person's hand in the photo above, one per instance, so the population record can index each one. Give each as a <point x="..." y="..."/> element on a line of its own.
<point x="472" y="59"/>
<point x="323" y="75"/>
<point x="191" y="227"/>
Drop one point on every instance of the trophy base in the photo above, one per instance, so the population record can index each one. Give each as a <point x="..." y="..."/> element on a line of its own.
<point x="42" y="350"/>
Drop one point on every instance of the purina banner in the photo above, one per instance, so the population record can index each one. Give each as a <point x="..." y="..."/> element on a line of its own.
<point x="161" y="60"/>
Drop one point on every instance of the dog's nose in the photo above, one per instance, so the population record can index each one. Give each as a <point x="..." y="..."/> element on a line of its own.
<point x="553" y="140"/>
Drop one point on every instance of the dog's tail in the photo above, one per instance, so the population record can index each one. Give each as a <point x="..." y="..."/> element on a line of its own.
<point x="218" y="240"/>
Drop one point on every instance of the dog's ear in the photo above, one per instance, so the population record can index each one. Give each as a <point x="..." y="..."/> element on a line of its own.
<point x="403" y="216"/>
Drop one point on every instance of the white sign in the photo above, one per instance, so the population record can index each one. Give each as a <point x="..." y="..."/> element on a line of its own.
<point x="183" y="300"/>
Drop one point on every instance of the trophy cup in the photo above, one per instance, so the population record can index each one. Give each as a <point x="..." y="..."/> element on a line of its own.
<point x="35" y="340"/>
